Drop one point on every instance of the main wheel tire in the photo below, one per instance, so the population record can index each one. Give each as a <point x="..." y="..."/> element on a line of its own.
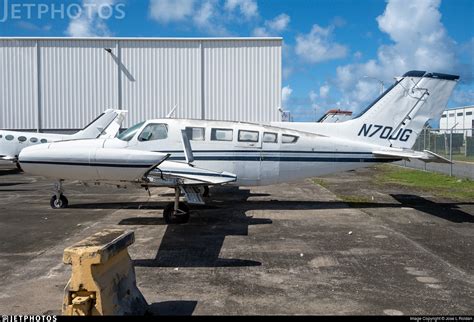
<point x="172" y="217"/>
<point x="60" y="203"/>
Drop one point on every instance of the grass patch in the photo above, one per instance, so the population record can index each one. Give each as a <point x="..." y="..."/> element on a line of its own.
<point x="439" y="184"/>
<point x="463" y="158"/>
<point x="321" y="182"/>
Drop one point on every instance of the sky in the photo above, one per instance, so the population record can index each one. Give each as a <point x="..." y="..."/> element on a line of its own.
<point x="336" y="53"/>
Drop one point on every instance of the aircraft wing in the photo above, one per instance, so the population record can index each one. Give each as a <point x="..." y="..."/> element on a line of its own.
<point x="425" y="156"/>
<point x="189" y="174"/>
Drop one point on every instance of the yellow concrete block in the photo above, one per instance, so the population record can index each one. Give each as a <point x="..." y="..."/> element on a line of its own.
<point x="103" y="277"/>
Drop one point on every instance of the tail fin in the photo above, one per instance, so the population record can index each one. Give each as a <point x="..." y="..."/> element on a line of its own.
<point x="104" y="124"/>
<point x="397" y="117"/>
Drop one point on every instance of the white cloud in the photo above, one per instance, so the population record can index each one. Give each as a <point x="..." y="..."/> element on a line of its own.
<point x="248" y="8"/>
<point x="209" y="16"/>
<point x="285" y="95"/>
<point x="166" y="11"/>
<point x="420" y="41"/>
<point x="279" y="23"/>
<point x="89" y="23"/>
<point x="324" y="91"/>
<point x="273" y="27"/>
<point x="317" y="46"/>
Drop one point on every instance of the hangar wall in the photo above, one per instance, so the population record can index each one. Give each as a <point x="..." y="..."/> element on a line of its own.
<point x="63" y="83"/>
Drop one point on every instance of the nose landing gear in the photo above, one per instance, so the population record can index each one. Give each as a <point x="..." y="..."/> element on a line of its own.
<point x="58" y="200"/>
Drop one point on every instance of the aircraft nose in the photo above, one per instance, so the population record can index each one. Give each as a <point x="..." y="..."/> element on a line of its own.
<point x="30" y="151"/>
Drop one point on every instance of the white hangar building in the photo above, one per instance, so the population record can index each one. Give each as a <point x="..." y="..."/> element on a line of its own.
<point x="460" y="119"/>
<point x="61" y="84"/>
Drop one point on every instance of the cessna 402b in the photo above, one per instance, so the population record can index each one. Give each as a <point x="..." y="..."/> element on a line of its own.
<point x="106" y="125"/>
<point x="158" y="152"/>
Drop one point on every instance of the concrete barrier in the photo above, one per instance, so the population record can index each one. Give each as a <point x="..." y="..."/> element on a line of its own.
<point x="103" y="277"/>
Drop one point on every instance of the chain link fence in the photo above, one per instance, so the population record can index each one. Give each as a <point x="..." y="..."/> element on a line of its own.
<point x="454" y="144"/>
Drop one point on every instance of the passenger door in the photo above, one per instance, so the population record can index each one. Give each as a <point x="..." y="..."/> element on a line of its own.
<point x="271" y="154"/>
<point x="248" y="153"/>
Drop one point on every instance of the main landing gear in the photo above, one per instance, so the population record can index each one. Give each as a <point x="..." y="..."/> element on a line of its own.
<point x="176" y="212"/>
<point x="58" y="200"/>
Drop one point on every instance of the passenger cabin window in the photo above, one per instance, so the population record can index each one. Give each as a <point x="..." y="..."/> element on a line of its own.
<point x="270" y="137"/>
<point x="451" y="114"/>
<point x="1" y="136"/>
<point x="22" y="139"/>
<point x="460" y="114"/>
<point x="44" y="141"/>
<point x="196" y="133"/>
<point x="9" y="137"/>
<point x="33" y="140"/>
<point x="248" y="136"/>
<point x="154" y="132"/>
<point x="221" y="134"/>
<point x="443" y="116"/>
<point x="285" y="138"/>
<point x="467" y="113"/>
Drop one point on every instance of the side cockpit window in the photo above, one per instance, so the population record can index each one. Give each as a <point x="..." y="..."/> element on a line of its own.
<point x="9" y="137"/>
<point x="153" y="132"/>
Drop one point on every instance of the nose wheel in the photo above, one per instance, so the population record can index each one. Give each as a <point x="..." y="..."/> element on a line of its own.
<point x="176" y="212"/>
<point x="58" y="200"/>
<point x="59" y="203"/>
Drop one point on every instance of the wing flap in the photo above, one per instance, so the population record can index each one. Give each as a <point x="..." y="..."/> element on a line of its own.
<point x="192" y="174"/>
<point x="425" y="156"/>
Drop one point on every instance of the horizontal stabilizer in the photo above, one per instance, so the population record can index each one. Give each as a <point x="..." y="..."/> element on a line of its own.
<point x="191" y="174"/>
<point x="425" y="156"/>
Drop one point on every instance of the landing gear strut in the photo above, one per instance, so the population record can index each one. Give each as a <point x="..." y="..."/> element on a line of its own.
<point x="176" y="212"/>
<point x="18" y="166"/>
<point x="58" y="200"/>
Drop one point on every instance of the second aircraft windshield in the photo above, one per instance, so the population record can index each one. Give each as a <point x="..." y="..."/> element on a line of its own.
<point x="130" y="133"/>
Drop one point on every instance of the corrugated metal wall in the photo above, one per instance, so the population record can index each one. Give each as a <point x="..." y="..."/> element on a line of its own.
<point x="226" y="79"/>
<point x="159" y="76"/>
<point x="78" y="81"/>
<point x="18" y="85"/>
<point x="242" y="80"/>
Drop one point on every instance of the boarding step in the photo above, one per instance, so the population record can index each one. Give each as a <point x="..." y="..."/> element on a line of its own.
<point x="193" y="194"/>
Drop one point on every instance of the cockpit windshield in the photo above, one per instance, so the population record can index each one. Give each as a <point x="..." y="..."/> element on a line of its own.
<point x="130" y="132"/>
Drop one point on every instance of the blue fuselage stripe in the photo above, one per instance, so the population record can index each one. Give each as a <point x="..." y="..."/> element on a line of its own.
<point x="285" y="159"/>
<point x="83" y="164"/>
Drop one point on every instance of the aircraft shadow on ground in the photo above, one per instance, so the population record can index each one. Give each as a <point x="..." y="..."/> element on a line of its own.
<point x="199" y="243"/>
<point x="9" y="184"/>
<point x="5" y="172"/>
<point x="171" y="308"/>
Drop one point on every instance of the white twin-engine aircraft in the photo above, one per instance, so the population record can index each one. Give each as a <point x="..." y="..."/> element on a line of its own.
<point x="158" y="152"/>
<point x="106" y="125"/>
